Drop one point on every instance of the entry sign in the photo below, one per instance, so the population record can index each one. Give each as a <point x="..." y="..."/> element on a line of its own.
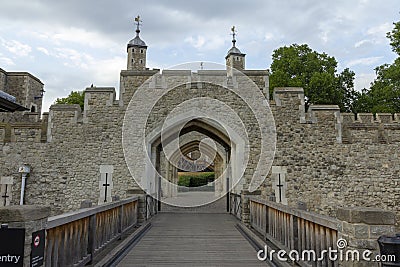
<point x="12" y="243"/>
<point x="37" y="252"/>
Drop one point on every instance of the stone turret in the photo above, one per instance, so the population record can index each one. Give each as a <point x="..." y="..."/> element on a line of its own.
<point x="234" y="59"/>
<point x="136" y="50"/>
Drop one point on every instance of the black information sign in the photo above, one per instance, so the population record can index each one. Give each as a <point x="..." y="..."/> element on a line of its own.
<point x="12" y="243"/>
<point x="37" y="252"/>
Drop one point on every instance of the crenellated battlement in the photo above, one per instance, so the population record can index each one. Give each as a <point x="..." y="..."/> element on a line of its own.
<point x="369" y="118"/>
<point x="172" y="78"/>
<point x="321" y="157"/>
<point x="31" y="132"/>
<point x="371" y="128"/>
<point x="99" y="97"/>
<point x="380" y="128"/>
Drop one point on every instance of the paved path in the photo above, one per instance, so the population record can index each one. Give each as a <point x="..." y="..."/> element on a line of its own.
<point x="192" y="199"/>
<point x="192" y="239"/>
<point x="185" y="202"/>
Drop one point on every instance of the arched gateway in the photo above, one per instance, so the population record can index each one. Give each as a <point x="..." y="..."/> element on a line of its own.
<point x="222" y="116"/>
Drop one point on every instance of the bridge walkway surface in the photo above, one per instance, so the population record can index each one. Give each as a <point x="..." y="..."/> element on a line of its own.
<point x="187" y="238"/>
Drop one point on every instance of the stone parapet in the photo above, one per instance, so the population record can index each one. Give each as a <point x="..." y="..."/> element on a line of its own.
<point x="359" y="230"/>
<point x="31" y="218"/>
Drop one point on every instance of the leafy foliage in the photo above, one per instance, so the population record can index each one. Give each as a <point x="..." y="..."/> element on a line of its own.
<point x="394" y="37"/>
<point x="384" y="94"/>
<point x="300" y="66"/>
<point x="191" y="179"/>
<point x="77" y="97"/>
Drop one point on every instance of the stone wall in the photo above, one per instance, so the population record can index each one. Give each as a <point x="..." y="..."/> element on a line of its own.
<point x="332" y="160"/>
<point x="3" y="77"/>
<point x="65" y="165"/>
<point x="26" y="88"/>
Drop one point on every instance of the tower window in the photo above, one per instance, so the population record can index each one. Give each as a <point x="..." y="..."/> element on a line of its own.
<point x="33" y="107"/>
<point x="133" y="50"/>
<point x="141" y="61"/>
<point x="141" y="51"/>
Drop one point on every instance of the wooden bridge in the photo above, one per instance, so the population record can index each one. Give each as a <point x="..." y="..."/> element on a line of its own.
<point x="132" y="233"/>
<point x="192" y="239"/>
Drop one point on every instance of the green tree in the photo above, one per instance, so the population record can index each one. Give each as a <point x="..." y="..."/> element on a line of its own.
<point x="394" y="37"/>
<point x="77" y="97"/>
<point x="300" y="66"/>
<point x="347" y="95"/>
<point x="384" y="93"/>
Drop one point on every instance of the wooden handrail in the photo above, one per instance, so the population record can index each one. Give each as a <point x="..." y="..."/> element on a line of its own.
<point x="310" y="216"/>
<point x="64" y="218"/>
<point x="74" y="238"/>
<point x="292" y="229"/>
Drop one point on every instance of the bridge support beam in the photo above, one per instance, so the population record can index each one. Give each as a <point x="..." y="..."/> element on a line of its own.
<point x="31" y="218"/>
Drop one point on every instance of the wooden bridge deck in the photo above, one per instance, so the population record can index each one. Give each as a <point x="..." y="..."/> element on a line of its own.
<point x="192" y="239"/>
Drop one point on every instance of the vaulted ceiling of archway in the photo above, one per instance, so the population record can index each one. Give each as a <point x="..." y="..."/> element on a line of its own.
<point x="180" y="94"/>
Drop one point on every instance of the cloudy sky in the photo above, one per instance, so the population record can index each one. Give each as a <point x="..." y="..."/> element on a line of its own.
<point x="69" y="45"/>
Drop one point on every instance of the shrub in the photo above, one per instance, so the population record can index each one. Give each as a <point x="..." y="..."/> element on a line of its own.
<point x="195" y="179"/>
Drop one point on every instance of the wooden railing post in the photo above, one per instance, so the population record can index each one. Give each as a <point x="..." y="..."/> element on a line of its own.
<point x="75" y="238"/>
<point x="292" y="229"/>
<point x="121" y="220"/>
<point x="267" y="227"/>
<point x="295" y="233"/>
<point x="91" y="236"/>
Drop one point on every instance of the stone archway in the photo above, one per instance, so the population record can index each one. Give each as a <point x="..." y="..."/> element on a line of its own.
<point x="190" y="137"/>
<point x="216" y="160"/>
<point x="230" y="111"/>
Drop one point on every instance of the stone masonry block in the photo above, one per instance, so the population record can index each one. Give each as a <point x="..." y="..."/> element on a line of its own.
<point x="361" y="230"/>
<point x="23" y="213"/>
<point x="372" y="216"/>
<point x="370" y="244"/>
<point x="377" y="230"/>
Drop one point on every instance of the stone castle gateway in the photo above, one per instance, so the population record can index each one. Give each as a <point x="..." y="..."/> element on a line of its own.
<point x="322" y="158"/>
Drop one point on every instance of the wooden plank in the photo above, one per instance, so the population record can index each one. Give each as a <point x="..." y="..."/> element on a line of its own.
<point x="324" y="246"/>
<point x="323" y="220"/>
<point x="303" y="235"/>
<point x="317" y="234"/>
<point x="49" y="248"/>
<point x="307" y="236"/>
<point x="292" y="232"/>
<point x="312" y="240"/>
<point x="82" y="213"/>
<point x="62" y="252"/>
<point x="189" y="239"/>
<point x="91" y="236"/>
<point x="120" y="219"/>
<point x="75" y="242"/>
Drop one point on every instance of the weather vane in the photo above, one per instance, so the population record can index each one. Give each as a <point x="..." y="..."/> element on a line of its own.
<point x="138" y="20"/>
<point x="138" y="23"/>
<point x="233" y="29"/>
